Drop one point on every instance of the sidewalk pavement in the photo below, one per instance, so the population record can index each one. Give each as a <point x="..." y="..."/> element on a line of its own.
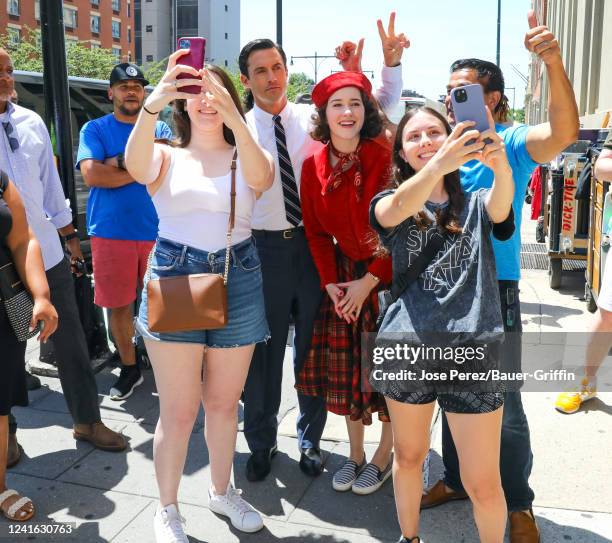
<point x="112" y="496"/>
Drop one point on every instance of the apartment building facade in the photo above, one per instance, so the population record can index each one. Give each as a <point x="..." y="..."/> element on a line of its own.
<point x="97" y="23"/>
<point x="160" y="22"/>
<point x="584" y="31"/>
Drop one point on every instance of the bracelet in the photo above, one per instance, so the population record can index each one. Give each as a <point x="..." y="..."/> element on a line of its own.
<point x="376" y="279"/>
<point x="72" y="235"/>
<point x="149" y="111"/>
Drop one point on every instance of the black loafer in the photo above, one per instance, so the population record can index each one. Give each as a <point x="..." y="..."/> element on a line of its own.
<point x="310" y="462"/>
<point x="259" y="464"/>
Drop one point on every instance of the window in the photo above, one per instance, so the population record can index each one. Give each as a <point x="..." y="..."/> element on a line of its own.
<point x="149" y="58"/>
<point x="95" y="24"/>
<point x="117" y="53"/>
<point x="116" y="29"/>
<point x="37" y="10"/>
<point x="116" y="5"/>
<point x="95" y="3"/>
<point x="70" y="18"/>
<point x="226" y="35"/>
<point x="14" y="35"/>
<point x="149" y="28"/>
<point x="129" y="10"/>
<point x="129" y="35"/>
<point x="12" y="6"/>
<point x="95" y="46"/>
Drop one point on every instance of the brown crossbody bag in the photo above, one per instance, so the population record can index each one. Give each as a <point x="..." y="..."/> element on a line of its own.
<point x="192" y="302"/>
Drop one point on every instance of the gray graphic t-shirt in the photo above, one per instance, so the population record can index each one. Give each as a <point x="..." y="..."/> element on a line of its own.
<point x="458" y="292"/>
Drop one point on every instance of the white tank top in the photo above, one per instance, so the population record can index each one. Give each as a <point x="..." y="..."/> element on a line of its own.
<point x="194" y="210"/>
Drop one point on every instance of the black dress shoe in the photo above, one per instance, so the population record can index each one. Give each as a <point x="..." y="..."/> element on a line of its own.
<point x="310" y="462"/>
<point x="259" y="464"/>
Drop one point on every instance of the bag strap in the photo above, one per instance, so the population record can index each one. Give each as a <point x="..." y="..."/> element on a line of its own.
<point x="230" y="225"/>
<point x="232" y="217"/>
<point x="4" y="181"/>
<point x="404" y="280"/>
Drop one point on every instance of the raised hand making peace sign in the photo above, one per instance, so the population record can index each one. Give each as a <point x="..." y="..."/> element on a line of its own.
<point x="392" y="45"/>
<point x="349" y="53"/>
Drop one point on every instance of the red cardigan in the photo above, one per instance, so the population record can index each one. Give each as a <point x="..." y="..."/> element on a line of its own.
<point x="338" y="215"/>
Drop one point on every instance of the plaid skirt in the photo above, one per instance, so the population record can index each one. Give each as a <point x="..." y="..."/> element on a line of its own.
<point x="333" y="365"/>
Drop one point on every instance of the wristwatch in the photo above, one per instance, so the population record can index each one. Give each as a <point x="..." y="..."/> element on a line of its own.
<point x="72" y="235"/>
<point x="120" y="161"/>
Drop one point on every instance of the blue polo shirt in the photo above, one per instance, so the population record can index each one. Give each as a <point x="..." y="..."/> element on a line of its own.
<point x="475" y="175"/>
<point x="120" y="213"/>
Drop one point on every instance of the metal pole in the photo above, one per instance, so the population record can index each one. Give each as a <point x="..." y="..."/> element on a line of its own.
<point x="279" y="22"/>
<point x="498" y="28"/>
<point x="316" y="80"/>
<point x="55" y="87"/>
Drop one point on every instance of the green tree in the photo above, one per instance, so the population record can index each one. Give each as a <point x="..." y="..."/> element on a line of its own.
<point x="518" y="115"/>
<point x="299" y="83"/>
<point x="80" y="60"/>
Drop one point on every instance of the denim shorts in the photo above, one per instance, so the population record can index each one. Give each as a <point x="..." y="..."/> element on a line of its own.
<point x="246" y="323"/>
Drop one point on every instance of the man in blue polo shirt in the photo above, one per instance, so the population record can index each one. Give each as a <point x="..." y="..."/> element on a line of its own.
<point x="526" y="147"/>
<point x="121" y="219"/>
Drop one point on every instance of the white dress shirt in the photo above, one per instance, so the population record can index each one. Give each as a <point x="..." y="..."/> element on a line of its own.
<point x="32" y="169"/>
<point x="269" y="212"/>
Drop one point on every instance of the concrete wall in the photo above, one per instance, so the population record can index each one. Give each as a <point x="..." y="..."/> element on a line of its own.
<point x="584" y="31"/>
<point x="157" y="43"/>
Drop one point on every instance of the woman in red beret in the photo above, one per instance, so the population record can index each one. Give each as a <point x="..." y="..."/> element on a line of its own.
<point x="337" y="185"/>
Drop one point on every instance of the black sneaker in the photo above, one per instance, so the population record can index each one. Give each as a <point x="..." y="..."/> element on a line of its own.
<point x="129" y="378"/>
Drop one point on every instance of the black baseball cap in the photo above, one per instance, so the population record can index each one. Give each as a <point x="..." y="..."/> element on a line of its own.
<point x="126" y="72"/>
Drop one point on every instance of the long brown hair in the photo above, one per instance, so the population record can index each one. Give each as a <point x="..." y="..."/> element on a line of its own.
<point x="448" y="219"/>
<point x="180" y="118"/>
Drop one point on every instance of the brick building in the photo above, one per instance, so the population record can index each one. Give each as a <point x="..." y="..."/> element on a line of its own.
<point x="99" y="23"/>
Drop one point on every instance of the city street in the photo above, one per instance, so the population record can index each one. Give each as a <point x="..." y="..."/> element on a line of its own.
<point x="112" y="496"/>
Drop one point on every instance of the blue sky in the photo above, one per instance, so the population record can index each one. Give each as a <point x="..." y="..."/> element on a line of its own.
<point x="440" y="32"/>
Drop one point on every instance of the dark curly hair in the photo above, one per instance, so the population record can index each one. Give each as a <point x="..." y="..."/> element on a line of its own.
<point x="491" y="78"/>
<point x="448" y="219"/>
<point x="372" y="122"/>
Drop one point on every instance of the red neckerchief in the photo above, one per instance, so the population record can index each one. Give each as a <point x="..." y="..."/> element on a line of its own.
<point x="345" y="163"/>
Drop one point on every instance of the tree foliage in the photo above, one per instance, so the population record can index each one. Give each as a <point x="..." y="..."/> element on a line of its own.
<point x="518" y="115"/>
<point x="81" y="61"/>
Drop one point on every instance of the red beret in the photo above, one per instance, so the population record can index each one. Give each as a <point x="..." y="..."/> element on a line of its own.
<point x="326" y="87"/>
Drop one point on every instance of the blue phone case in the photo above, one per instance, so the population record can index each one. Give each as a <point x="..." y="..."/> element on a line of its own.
<point x="471" y="109"/>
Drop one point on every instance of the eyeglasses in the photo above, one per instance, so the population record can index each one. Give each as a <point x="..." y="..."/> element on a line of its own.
<point x="13" y="141"/>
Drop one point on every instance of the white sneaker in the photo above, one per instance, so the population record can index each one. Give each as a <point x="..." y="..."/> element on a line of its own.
<point x="242" y="516"/>
<point x="168" y="525"/>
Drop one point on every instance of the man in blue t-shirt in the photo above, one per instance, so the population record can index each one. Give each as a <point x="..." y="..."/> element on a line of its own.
<point x="121" y="219"/>
<point x="526" y="147"/>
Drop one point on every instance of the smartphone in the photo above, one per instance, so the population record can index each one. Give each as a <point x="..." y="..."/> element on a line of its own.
<point x="195" y="59"/>
<point x="468" y="105"/>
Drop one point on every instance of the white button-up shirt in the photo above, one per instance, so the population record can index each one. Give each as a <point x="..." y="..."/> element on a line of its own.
<point x="269" y="212"/>
<point x="32" y="169"/>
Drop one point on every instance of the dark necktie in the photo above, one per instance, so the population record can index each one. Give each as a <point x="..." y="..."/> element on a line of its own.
<point x="13" y="141"/>
<point x="293" y="209"/>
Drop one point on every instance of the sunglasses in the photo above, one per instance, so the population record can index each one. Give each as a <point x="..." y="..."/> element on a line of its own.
<point x="13" y="141"/>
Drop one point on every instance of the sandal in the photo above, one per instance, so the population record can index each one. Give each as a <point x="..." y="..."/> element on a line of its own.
<point x="17" y="507"/>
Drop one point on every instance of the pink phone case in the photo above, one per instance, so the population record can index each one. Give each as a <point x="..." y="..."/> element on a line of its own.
<point x="195" y="59"/>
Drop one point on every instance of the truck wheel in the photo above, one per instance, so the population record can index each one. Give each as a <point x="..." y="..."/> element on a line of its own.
<point x="555" y="267"/>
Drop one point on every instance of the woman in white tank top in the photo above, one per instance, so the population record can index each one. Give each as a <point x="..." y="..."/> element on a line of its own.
<point x="189" y="181"/>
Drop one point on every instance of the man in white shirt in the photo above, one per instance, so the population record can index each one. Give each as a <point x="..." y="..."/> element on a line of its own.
<point x="26" y="156"/>
<point x="291" y="281"/>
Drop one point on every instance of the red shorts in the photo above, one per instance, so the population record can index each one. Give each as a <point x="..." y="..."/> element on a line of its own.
<point x="119" y="266"/>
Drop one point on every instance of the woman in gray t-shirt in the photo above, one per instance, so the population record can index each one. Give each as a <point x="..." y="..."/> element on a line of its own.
<point x="448" y="320"/>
